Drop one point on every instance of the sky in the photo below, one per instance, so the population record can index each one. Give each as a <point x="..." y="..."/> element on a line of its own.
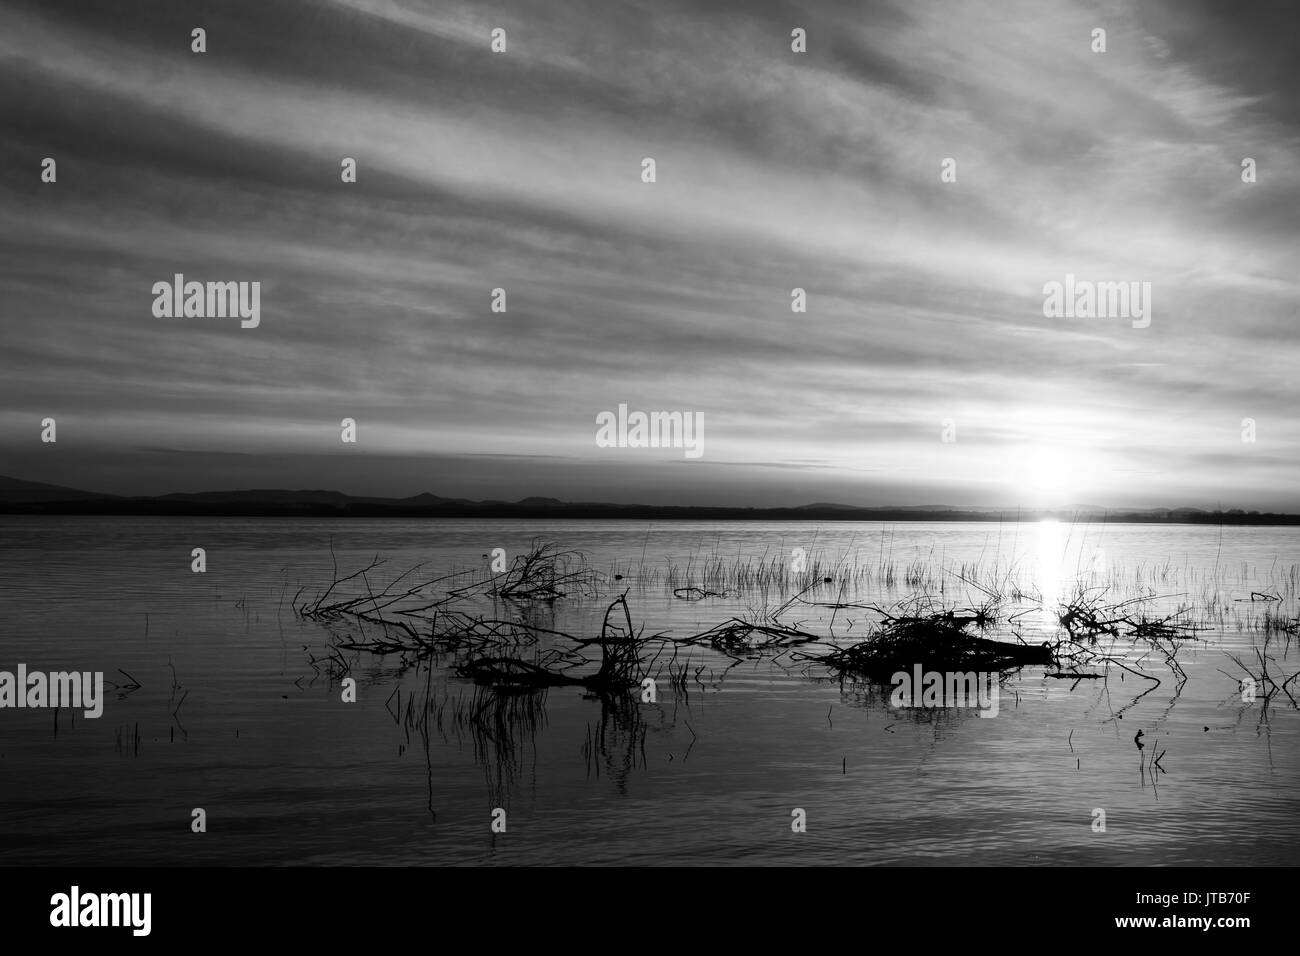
<point x="923" y="371"/>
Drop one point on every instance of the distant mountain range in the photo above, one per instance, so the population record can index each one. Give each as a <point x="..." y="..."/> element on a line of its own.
<point x="30" y="497"/>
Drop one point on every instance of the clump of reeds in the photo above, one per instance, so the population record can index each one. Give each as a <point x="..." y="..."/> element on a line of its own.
<point x="1268" y="685"/>
<point x="1281" y="624"/>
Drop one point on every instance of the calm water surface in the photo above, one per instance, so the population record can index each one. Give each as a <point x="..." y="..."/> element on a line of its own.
<point x="233" y="717"/>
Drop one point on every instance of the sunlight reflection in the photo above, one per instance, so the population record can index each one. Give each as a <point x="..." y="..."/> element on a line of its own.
<point x="1048" y="554"/>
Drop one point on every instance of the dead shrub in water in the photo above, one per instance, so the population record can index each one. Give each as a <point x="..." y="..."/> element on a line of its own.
<point x="936" y="640"/>
<point x="545" y="573"/>
<point x="620" y="660"/>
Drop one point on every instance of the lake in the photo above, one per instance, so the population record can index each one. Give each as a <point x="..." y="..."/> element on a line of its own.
<point x="240" y="712"/>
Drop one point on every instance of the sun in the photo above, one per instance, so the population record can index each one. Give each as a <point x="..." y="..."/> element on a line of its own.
<point x="1044" y="477"/>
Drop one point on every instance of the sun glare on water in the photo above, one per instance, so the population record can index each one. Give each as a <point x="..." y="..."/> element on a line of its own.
<point x="1048" y="556"/>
